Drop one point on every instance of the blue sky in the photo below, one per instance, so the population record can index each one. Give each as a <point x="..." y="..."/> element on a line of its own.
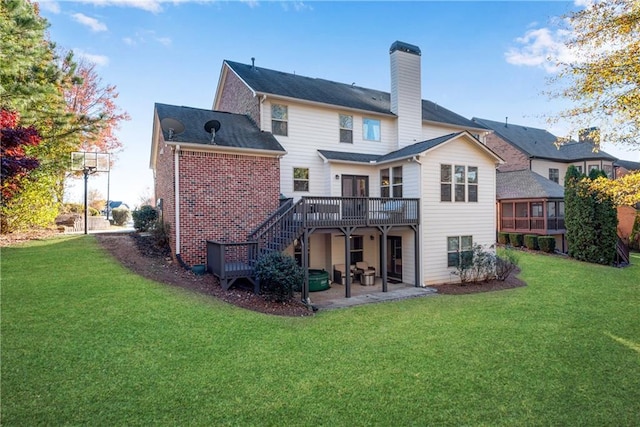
<point x="479" y="59"/>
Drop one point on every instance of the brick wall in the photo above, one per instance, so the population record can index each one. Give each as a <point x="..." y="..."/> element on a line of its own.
<point x="223" y="197"/>
<point x="626" y="218"/>
<point x="164" y="188"/>
<point x="514" y="158"/>
<point x="235" y="97"/>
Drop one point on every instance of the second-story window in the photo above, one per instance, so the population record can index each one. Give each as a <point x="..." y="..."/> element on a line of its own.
<point x="279" y="119"/>
<point x="397" y="181"/>
<point x="554" y="175"/>
<point x="346" y="128"/>
<point x="300" y="179"/>
<point x="458" y="183"/>
<point x="445" y="183"/>
<point x="371" y="129"/>
<point x="385" y="183"/>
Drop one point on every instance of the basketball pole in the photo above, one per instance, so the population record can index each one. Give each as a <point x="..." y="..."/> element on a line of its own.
<point x="86" y="170"/>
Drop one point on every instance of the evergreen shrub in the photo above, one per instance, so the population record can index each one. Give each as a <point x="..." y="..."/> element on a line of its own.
<point x="531" y="241"/>
<point x="503" y="238"/>
<point x="516" y="239"/>
<point x="278" y="274"/>
<point x="144" y="218"/>
<point x="547" y="243"/>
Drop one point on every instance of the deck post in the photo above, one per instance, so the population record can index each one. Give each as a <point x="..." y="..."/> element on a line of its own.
<point x="305" y="267"/>
<point x="416" y="237"/>
<point x="383" y="255"/>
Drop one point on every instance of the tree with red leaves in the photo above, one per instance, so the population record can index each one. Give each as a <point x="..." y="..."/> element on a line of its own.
<point x="92" y="104"/>
<point x="16" y="163"/>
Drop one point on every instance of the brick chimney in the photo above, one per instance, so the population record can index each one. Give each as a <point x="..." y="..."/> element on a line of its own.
<point x="406" y="92"/>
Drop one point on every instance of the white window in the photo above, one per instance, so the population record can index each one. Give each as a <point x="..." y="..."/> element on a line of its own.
<point x="371" y="129"/>
<point x="300" y="179"/>
<point x="608" y="170"/>
<point x="279" y="119"/>
<point x="459" y="183"/>
<point x="346" y="129"/>
<point x="459" y="249"/>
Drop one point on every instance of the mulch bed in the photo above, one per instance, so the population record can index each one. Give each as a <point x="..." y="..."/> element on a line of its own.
<point x="137" y="252"/>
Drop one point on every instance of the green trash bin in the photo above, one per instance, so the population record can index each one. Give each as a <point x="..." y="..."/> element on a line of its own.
<point x="318" y="280"/>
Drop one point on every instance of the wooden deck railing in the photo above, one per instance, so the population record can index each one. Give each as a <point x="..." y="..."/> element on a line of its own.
<point x="232" y="261"/>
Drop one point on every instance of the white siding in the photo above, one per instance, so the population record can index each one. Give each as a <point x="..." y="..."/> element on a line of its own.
<point x="431" y="131"/>
<point x="542" y="167"/>
<point x="443" y="219"/>
<point x="314" y="128"/>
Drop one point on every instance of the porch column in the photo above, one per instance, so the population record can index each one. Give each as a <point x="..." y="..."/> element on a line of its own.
<point x="418" y="262"/>
<point x="347" y="231"/>
<point x="305" y="267"/>
<point x="383" y="255"/>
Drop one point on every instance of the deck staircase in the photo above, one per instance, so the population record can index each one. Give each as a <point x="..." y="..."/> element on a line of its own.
<point x="278" y="231"/>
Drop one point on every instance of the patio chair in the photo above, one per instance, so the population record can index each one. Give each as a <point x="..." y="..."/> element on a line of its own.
<point x="340" y="273"/>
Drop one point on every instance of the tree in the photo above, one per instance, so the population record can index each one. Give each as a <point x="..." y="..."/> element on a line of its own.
<point x="591" y="220"/>
<point x="624" y="191"/>
<point x="16" y="164"/>
<point x="603" y="83"/>
<point x="96" y="116"/>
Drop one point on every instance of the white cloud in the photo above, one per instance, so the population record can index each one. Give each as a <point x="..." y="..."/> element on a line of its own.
<point x="154" y="6"/>
<point x="145" y="36"/>
<point x="99" y="60"/>
<point x="50" y="6"/>
<point x="542" y="48"/>
<point x="87" y="21"/>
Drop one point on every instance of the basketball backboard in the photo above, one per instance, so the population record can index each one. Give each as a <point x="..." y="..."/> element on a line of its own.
<point x="94" y="162"/>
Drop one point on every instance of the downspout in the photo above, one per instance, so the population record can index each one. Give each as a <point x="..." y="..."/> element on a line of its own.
<point x="176" y="164"/>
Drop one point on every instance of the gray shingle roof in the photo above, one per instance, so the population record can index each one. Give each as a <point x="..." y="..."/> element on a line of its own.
<point x="411" y="150"/>
<point x="526" y="184"/>
<point x="236" y="130"/>
<point x="294" y="86"/>
<point x="538" y="143"/>
<point x="348" y="157"/>
<point x="628" y="165"/>
<point x="417" y="148"/>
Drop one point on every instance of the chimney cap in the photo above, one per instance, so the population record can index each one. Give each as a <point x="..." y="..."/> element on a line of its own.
<point x="405" y="47"/>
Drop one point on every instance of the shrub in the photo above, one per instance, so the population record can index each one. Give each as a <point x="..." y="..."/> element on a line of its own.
<point x="144" y="218"/>
<point x="120" y="215"/>
<point x="72" y="208"/>
<point x="160" y="233"/>
<point x="93" y="211"/>
<point x="503" y="238"/>
<point x="278" y="275"/>
<point x="547" y="243"/>
<point x="634" y="238"/>
<point x="506" y="263"/>
<point x="516" y="239"/>
<point x="531" y="241"/>
<point x="476" y="265"/>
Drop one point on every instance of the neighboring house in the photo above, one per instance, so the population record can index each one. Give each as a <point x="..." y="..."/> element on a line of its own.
<point x="529" y="203"/>
<point x="626" y="214"/>
<point x="524" y="147"/>
<point x="533" y="203"/>
<point x="383" y="177"/>
<point x="623" y="167"/>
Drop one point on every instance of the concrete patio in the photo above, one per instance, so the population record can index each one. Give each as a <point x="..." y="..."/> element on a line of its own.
<point x="334" y="297"/>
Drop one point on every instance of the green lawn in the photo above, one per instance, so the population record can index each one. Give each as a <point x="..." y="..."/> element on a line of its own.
<point x="84" y="341"/>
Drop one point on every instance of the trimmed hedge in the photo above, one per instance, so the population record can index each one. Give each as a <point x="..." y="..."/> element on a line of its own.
<point x="531" y="241"/>
<point x="547" y="243"/>
<point x="503" y="238"/>
<point x="516" y="239"/>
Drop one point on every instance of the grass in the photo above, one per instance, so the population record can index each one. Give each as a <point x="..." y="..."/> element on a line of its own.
<point x="85" y="341"/>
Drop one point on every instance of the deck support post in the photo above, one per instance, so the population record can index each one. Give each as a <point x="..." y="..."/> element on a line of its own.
<point x="416" y="237"/>
<point x="347" y="231"/>
<point x="384" y="229"/>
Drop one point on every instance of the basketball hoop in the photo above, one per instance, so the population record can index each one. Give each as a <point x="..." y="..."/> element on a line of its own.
<point x="89" y="163"/>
